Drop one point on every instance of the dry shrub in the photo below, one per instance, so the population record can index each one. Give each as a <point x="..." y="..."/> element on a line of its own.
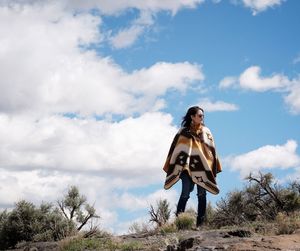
<point x="185" y="221"/>
<point x="262" y="200"/>
<point x="80" y="243"/>
<point x="168" y="228"/>
<point x="26" y="222"/>
<point x="287" y="224"/>
<point x="161" y="213"/>
<point x="262" y="227"/>
<point x="139" y="228"/>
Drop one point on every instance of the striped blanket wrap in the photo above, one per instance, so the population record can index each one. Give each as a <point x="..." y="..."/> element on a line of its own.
<point x="195" y="154"/>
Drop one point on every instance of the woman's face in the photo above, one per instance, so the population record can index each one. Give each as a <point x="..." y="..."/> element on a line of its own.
<point x="198" y="117"/>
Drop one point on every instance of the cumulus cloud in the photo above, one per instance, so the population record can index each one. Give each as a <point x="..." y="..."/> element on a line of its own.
<point x="108" y="7"/>
<point x="162" y="76"/>
<point x="261" y="5"/>
<point x="128" y="36"/>
<point x="228" y="82"/>
<point x="114" y="7"/>
<point x="211" y="106"/>
<point x="293" y="98"/>
<point x="124" y="148"/>
<point x="45" y="46"/>
<point x="265" y="157"/>
<point x="135" y="203"/>
<point x="252" y="80"/>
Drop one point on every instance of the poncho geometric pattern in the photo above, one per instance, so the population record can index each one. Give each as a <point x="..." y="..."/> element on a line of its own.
<point x="197" y="155"/>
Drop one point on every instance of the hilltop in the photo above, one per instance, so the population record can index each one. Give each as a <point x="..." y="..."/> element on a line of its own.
<point x="261" y="216"/>
<point x="234" y="239"/>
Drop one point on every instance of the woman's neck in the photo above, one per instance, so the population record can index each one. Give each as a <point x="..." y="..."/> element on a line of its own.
<point x="196" y="128"/>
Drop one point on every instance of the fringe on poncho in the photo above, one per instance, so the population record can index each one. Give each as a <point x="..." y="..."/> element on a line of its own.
<point x="197" y="155"/>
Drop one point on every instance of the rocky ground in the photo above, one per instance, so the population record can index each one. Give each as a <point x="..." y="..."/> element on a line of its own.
<point x="226" y="240"/>
<point x="192" y="240"/>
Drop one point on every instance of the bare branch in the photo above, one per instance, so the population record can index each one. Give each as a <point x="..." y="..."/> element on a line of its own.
<point x="62" y="208"/>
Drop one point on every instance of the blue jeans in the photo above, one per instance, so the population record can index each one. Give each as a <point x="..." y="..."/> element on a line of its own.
<point x="187" y="188"/>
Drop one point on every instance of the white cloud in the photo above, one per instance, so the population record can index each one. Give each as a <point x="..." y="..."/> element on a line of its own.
<point x="293" y="98"/>
<point x="210" y="106"/>
<point x="109" y="7"/>
<point x="162" y="76"/>
<point x="252" y="80"/>
<point x="124" y="148"/>
<point x="132" y="202"/>
<point x="54" y="75"/>
<point x="126" y="37"/>
<point x="114" y="7"/>
<point x="145" y="19"/>
<point x="228" y="82"/>
<point x="261" y="5"/>
<point x="266" y="157"/>
<point x="142" y="203"/>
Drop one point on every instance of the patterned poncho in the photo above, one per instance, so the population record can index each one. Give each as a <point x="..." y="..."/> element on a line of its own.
<point x="195" y="152"/>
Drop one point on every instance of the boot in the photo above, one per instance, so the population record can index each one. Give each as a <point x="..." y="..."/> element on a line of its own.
<point x="200" y="221"/>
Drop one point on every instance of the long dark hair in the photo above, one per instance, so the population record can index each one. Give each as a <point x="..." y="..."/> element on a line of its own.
<point x="186" y="120"/>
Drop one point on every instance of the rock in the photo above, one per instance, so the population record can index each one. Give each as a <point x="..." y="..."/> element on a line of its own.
<point x="185" y="244"/>
<point x="31" y="249"/>
<point x="41" y="246"/>
<point x="209" y="240"/>
<point x="227" y="235"/>
<point x="240" y="233"/>
<point x="171" y="248"/>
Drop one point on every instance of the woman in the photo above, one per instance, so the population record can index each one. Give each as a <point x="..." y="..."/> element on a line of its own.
<point x="193" y="159"/>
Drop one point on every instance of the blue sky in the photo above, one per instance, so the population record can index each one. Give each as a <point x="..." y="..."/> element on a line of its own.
<point x="92" y="93"/>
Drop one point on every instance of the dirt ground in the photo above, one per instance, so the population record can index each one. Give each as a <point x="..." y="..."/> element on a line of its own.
<point x="221" y="240"/>
<point x="195" y="241"/>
